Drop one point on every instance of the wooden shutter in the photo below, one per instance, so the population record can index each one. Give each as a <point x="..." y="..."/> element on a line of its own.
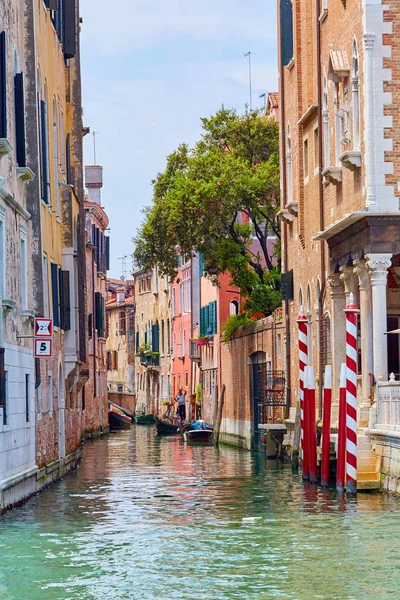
<point x="137" y="340"/>
<point x="155" y="338"/>
<point x="99" y="313"/>
<point x="45" y="191"/>
<point x="210" y="324"/>
<point x="68" y="156"/>
<point x="90" y="325"/>
<point x="65" y="302"/>
<point x="54" y="293"/>
<point x="19" y="119"/>
<point x="215" y="318"/>
<point x="286" y="31"/>
<point x="107" y="252"/>
<point x="203" y="328"/>
<point x="3" y="86"/>
<point x="69" y="28"/>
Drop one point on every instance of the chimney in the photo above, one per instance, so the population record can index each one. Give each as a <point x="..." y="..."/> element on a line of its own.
<point x="94" y="183"/>
<point x="120" y="296"/>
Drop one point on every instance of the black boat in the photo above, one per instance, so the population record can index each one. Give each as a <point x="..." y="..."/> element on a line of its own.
<point x="118" y="419"/>
<point x="166" y="427"/>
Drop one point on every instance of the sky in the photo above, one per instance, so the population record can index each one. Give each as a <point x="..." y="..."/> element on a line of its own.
<point x="150" y="70"/>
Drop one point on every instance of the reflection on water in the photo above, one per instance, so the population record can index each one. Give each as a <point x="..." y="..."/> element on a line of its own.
<point x="149" y="518"/>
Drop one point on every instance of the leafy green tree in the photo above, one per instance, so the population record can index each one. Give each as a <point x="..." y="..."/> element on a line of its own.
<point x="217" y="198"/>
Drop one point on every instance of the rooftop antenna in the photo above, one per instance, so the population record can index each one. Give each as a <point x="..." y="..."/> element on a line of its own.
<point x="123" y="266"/>
<point x="264" y="95"/>
<point x="248" y="54"/>
<point x="94" y="146"/>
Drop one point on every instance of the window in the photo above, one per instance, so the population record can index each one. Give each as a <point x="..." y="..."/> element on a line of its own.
<point x="289" y="172"/>
<point x="186" y="379"/>
<point x="208" y="319"/>
<point x="50" y="380"/>
<point x="286" y="31"/>
<point x="3" y="385"/>
<point x="168" y="337"/>
<point x="19" y="119"/>
<point x="173" y="302"/>
<point x="122" y="323"/>
<point x="162" y="387"/>
<point x="305" y="157"/>
<point x="162" y="337"/>
<point x="316" y="150"/>
<point x="27" y="407"/>
<point x="46" y="285"/>
<point x="2" y="253"/>
<point x="83" y="398"/>
<point x="174" y="346"/>
<point x="55" y="157"/>
<point x="279" y="345"/>
<point x="43" y="149"/>
<point x="184" y="344"/>
<point x="325" y="116"/>
<point x="24" y="269"/>
<point x="54" y="294"/>
<point x="3" y="86"/>
<point x="234" y="307"/>
<point x="356" y="98"/>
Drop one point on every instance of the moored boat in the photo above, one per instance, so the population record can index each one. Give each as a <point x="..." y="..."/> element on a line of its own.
<point x="147" y="419"/>
<point x="118" y="419"/>
<point x="199" y="432"/>
<point x="166" y="427"/>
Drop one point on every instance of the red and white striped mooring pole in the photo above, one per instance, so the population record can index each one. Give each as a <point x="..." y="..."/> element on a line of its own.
<point x="341" y="453"/>
<point x="303" y="361"/>
<point x="326" y="429"/>
<point x="351" y="396"/>
<point x="311" y="434"/>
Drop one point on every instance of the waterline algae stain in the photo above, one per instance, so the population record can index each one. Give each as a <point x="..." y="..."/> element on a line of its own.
<point x="147" y="518"/>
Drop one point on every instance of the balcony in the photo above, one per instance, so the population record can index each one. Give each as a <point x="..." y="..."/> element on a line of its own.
<point x="151" y="360"/>
<point x="194" y="350"/>
<point x="121" y="387"/>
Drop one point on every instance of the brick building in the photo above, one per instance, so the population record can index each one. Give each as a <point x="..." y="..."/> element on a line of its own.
<point x="339" y="104"/>
<point x="94" y="399"/>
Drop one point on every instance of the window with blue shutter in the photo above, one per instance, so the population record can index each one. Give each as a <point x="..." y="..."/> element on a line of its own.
<point x="215" y="316"/>
<point x="286" y="31"/>
<point x="155" y="338"/>
<point x="65" y="303"/>
<point x="3" y="86"/>
<point x="210" y="324"/>
<point x="19" y="119"/>
<point x="54" y="293"/>
<point x="45" y="175"/>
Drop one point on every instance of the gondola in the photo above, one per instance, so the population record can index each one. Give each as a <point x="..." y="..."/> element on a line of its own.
<point x="147" y="419"/>
<point x="166" y="427"/>
<point x="118" y="419"/>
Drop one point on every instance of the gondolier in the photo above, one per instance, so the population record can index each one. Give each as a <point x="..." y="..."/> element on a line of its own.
<point x="181" y="399"/>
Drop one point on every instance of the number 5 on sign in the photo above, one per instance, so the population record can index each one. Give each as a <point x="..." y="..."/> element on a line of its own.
<point x="43" y="348"/>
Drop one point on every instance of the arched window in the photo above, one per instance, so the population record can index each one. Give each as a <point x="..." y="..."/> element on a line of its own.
<point x="234" y="307"/>
<point x="325" y="116"/>
<point x="356" y="98"/>
<point x="289" y="171"/>
<point x="326" y="349"/>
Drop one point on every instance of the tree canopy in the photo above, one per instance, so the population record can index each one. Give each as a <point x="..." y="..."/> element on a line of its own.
<point x="220" y="198"/>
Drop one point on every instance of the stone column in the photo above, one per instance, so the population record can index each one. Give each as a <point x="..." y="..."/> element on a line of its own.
<point x="336" y="286"/>
<point x="378" y="265"/>
<point x="367" y="363"/>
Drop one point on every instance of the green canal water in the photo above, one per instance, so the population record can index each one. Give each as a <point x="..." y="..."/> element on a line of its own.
<point x="148" y="518"/>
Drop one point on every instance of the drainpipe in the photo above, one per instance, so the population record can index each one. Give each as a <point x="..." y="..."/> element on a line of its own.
<point x="321" y="207"/>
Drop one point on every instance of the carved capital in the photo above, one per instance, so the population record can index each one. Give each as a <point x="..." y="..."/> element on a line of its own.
<point x="349" y="279"/>
<point x="360" y="269"/>
<point x="378" y="265"/>
<point x="336" y="285"/>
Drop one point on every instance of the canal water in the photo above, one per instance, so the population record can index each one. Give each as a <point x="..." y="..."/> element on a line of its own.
<point x="149" y="518"/>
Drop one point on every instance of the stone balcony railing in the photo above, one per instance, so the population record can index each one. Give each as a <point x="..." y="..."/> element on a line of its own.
<point x="386" y="411"/>
<point x="121" y="387"/>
